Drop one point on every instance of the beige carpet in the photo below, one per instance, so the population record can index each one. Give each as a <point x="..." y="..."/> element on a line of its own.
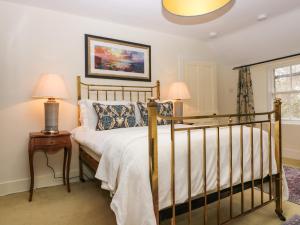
<point x="88" y="205"/>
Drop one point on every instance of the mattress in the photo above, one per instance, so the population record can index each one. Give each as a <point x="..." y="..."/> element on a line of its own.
<point x="88" y="139"/>
<point x="92" y="153"/>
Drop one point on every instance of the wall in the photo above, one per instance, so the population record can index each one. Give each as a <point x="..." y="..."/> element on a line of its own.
<point x="268" y="39"/>
<point x="35" y="41"/>
<point x="271" y="38"/>
<point x="227" y="93"/>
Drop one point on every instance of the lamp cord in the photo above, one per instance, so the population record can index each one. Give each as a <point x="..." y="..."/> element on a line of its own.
<point x="54" y="173"/>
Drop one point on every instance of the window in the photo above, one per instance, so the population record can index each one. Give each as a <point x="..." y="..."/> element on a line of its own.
<point x="287" y="87"/>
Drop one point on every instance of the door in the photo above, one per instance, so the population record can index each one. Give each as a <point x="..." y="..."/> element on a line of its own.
<point x="201" y="80"/>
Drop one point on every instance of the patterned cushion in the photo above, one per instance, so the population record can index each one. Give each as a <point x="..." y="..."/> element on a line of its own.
<point x="114" y="116"/>
<point x="144" y="113"/>
<point x="163" y="109"/>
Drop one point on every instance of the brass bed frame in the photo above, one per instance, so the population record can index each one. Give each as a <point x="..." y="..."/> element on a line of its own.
<point x="109" y="92"/>
<point x="206" y="198"/>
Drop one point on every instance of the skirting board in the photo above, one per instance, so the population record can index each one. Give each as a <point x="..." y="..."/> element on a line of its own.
<point x="22" y="185"/>
<point x="291" y="153"/>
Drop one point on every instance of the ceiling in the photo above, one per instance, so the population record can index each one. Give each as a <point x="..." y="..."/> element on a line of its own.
<point x="274" y="38"/>
<point x="150" y="15"/>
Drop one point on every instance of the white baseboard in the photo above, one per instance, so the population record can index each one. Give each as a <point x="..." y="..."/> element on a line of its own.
<point x="291" y="153"/>
<point x="22" y="185"/>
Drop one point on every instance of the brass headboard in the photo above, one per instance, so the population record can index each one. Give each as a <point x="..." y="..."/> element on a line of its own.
<point x="116" y="92"/>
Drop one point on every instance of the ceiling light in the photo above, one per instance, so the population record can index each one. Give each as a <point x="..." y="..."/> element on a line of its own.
<point x="193" y="7"/>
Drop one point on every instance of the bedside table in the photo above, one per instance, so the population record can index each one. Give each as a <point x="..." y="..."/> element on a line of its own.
<point x="50" y="143"/>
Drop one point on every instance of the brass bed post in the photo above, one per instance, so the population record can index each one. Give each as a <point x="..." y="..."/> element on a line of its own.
<point x="158" y="89"/>
<point x="278" y="156"/>
<point x="153" y="155"/>
<point x="78" y="121"/>
<point x="173" y="190"/>
<point x="204" y="177"/>
<point x="78" y="98"/>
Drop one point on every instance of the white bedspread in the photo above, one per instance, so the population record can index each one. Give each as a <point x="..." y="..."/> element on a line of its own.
<point x="124" y="166"/>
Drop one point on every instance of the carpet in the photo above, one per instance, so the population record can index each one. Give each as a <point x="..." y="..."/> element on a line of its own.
<point x="295" y="220"/>
<point x="87" y="204"/>
<point x="293" y="180"/>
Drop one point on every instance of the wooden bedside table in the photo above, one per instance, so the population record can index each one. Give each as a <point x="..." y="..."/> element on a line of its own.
<point x="50" y="143"/>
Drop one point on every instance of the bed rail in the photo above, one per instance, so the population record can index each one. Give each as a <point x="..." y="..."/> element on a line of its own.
<point x="219" y="194"/>
<point x="116" y="92"/>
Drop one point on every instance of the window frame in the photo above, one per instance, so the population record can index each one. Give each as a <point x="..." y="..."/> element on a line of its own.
<point x="272" y="86"/>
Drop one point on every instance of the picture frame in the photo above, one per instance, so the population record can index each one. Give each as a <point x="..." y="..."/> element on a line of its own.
<point x="116" y="59"/>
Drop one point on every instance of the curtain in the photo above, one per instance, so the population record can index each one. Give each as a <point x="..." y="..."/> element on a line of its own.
<point x="245" y="101"/>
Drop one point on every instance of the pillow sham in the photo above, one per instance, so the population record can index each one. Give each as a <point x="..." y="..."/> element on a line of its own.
<point x="88" y="115"/>
<point x="114" y="116"/>
<point x="163" y="109"/>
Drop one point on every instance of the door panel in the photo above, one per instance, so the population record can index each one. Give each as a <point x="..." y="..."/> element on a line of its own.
<point x="201" y="80"/>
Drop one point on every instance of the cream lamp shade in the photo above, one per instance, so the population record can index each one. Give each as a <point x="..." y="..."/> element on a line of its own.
<point x="193" y="7"/>
<point x="179" y="91"/>
<point x="51" y="86"/>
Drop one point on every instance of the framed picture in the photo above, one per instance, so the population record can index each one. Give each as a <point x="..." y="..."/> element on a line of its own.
<point x="116" y="59"/>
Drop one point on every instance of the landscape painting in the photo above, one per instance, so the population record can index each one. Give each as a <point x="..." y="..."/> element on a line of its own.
<point x="115" y="59"/>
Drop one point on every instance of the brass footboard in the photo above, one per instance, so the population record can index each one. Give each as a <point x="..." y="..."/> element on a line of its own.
<point x="207" y="197"/>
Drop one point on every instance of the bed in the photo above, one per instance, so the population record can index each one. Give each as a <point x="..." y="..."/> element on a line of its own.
<point x="159" y="172"/>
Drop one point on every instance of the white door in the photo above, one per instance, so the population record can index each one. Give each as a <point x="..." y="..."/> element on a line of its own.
<point x="201" y="80"/>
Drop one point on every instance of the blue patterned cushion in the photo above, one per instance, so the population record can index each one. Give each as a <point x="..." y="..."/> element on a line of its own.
<point x="163" y="109"/>
<point x="114" y="116"/>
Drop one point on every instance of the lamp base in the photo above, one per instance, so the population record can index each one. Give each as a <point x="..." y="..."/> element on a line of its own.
<point x="50" y="132"/>
<point x="178" y="109"/>
<point x="51" y="116"/>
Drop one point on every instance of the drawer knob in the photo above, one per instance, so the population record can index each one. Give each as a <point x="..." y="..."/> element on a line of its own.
<point x="52" y="142"/>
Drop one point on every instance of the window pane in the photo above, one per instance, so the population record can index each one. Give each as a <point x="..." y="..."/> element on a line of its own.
<point x="296" y="68"/>
<point x="295" y="106"/>
<point x="282" y="71"/>
<point x="282" y="84"/>
<point x="285" y="107"/>
<point x="296" y="82"/>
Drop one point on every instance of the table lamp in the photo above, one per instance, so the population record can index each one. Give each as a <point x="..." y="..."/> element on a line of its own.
<point x="51" y="86"/>
<point x="179" y="92"/>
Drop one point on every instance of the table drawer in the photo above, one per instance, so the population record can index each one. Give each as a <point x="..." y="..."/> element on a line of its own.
<point x="50" y="141"/>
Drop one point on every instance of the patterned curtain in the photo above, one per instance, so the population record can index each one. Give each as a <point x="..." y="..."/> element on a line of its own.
<point x="245" y="102"/>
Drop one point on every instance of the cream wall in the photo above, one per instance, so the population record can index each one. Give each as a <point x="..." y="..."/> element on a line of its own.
<point x="227" y="95"/>
<point x="35" y="41"/>
<point x="275" y="37"/>
<point x="271" y="38"/>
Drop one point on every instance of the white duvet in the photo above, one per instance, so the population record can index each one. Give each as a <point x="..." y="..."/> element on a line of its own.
<point x="124" y="166"/>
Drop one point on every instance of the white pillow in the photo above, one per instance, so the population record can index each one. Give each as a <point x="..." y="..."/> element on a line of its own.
<point x="88" y="115"/>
